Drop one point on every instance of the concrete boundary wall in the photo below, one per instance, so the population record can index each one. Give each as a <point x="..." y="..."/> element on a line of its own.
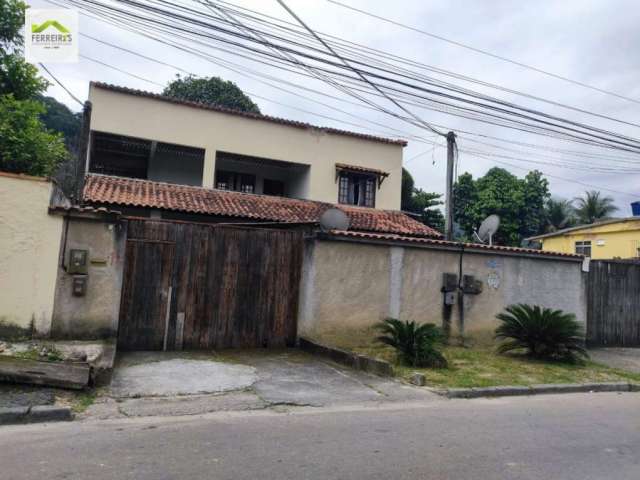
<point x="29" y="240"/>
<point x="351" y="284"/>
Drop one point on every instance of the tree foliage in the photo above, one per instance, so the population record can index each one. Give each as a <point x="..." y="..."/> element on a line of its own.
<point x="59" y="118"/>
<point x="26" y="146"/>
<point x="424" y="204"/>
<point x="416" y="345"/>
<point x="560" y="214"/>
<point x="212" y="91"/>
<point x="592" y="207"/>
<point x="540" y="333"/>
<point x="519" y="203"/>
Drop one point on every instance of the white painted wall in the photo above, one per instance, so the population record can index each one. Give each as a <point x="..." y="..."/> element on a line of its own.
<point x="29" y="242"/>
<point x="152" y="119"/>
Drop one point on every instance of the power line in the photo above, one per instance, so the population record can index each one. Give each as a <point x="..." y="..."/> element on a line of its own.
<point x="572" y="136"/>
<point x="484" y="52"/>
<point x="358" y="72"/>
<point x="482" y="153"/>
<point x="351" y="47"/>
<point x="61" y="84"/>
<point x="473" y="133"/>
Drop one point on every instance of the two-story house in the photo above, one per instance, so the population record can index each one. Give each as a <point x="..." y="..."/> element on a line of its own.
<point x="155" y="156"/>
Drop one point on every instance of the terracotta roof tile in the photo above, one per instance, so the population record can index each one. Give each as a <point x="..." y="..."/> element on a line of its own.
<point x="108" y="190"/>
<point x="257" y="116"/>
<point x="445" y="243"/>
<point x="356" y="168"/>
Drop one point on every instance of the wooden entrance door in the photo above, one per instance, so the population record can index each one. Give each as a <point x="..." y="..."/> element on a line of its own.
<point x="146" y="295"/>
<point x="231" y="286"/>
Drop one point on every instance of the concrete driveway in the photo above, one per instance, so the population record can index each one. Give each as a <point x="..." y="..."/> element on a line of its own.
<point x="177" y="383"/>
<point x="624" y="358"/>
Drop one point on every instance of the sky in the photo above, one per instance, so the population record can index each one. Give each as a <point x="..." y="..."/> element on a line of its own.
<point x="595" y="42"/>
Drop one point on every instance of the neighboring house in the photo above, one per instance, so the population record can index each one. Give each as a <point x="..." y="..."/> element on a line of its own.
<point x="155" y="156"/>
<point x="615" y="238"/>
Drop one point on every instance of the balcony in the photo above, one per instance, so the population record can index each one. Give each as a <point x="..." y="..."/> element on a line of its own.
<point x="151" y="160"/>
<point x="262" y="176"/>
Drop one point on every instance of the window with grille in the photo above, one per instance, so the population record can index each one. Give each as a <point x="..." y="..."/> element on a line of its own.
<point x="357" y="189"/>
<point x="583" y="248"/>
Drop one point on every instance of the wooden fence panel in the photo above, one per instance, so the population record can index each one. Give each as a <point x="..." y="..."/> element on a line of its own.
<point x="231" y="286"/>
<point x="613" y="310"/>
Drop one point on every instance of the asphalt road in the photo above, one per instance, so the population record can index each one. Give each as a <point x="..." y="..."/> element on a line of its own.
<point x="578" y="436"/>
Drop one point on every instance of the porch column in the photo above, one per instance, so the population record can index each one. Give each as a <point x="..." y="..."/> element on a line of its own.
<point x="208" y="171"/>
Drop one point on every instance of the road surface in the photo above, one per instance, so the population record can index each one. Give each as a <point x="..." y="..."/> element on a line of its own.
<point x="578" y="436"/>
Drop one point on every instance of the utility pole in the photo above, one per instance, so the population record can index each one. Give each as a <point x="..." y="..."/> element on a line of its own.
<point x="448" y="206"/>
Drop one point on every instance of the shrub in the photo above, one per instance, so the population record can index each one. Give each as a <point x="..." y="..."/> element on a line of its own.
<point x="541" y="333"/>
<point x="415" y="345"/>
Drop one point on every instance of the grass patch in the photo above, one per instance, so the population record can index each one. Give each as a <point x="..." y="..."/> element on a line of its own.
<point x="52" y="354"/>
<point x="83" y="400"/>
<point x="482" y="367"/>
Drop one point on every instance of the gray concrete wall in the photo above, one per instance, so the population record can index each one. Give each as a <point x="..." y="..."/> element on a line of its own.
<point x="167" y="167"/>
<point x="94" y="315"/>
<point x="349" y="286"/>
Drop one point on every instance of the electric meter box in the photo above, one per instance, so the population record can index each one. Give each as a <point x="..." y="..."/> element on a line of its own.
<point x="78" y="262"/>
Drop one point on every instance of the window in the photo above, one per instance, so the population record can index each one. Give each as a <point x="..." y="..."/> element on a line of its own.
<point x="238" y="182"/>
<point x="584" y="248"/>
<point x="357" y="189"/>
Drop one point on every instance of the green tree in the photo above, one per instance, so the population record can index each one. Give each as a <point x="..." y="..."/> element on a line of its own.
<point x="406" y="191"/>
<point x="59" y="118"/>
<point x="465" y="194"/>
<point x="11" y="21"/>
<point x="424" y="204"/>
<point x="212" y="90"/>
<point x="592" y="207"/>
<point x="26" y="146"/>
<point x="518" y="202"/>
<point x="536" y="194"/>
<point x="559" y="214"/>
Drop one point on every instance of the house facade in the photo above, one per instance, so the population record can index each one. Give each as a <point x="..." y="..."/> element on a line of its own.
<point x="146" y="136"/>
<point x="609" y="239"/>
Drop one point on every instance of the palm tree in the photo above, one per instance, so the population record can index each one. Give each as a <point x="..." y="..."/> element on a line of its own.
<point x="592" y="207"/>
<point x="560" y="214"/>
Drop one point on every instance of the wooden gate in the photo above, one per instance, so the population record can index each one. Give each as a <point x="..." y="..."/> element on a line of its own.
<point x="198" y="286"/>
<point x="613" y="309"/>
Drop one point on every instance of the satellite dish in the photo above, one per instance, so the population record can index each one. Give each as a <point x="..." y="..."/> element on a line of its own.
<point x="334" y="219"/>
<point x="488" y="228"/>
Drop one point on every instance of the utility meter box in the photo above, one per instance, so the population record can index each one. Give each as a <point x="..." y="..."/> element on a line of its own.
<point x="449" y="298"/>
<point x="79" y="288"/>
<point x="78" y="261"/>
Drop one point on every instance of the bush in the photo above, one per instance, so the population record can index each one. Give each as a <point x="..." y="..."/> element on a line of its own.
<point x="541" y="333"/>
<point x="415" y="345"/>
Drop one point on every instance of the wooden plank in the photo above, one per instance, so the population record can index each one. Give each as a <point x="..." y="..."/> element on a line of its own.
<point x="613" y="308"/>
<point x="143" y="312"/>
<point x="53" y="374"/>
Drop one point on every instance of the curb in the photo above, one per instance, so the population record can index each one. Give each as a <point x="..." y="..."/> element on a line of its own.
<point x="539" y="390"/>
<point x="349" y="359"/>
<point x="36" y="414"/>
